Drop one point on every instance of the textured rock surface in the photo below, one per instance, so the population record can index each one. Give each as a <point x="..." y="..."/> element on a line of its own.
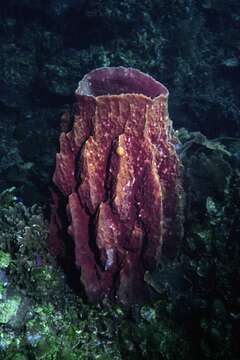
<point x="120" y="183"/>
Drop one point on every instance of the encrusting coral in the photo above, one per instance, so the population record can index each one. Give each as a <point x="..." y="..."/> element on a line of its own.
<point x="119" y="183"/>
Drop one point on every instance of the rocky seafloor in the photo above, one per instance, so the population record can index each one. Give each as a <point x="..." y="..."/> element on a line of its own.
<point x="194" y="49"/>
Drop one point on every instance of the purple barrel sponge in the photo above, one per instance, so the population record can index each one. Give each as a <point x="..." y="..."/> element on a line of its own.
<point x="118" y="183"/>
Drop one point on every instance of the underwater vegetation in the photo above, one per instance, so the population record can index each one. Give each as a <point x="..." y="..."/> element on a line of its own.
<point x="118" y="178"/>
<point x="194" y="311"/>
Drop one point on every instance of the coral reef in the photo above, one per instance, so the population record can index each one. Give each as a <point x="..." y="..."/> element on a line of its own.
<point x="194" y="312"/>
<point x="120" y="183"/>
<point x="193" y="47"/>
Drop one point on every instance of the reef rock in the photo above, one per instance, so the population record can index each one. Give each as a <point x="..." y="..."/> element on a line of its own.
<point x="118" y="183"/>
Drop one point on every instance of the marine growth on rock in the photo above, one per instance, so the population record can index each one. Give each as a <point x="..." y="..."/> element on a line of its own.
<point x="117" y="195"/>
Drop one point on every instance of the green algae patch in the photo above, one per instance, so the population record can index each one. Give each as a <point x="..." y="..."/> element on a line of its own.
<point x="9" y="308"/>
<point x="5" y="259"/>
